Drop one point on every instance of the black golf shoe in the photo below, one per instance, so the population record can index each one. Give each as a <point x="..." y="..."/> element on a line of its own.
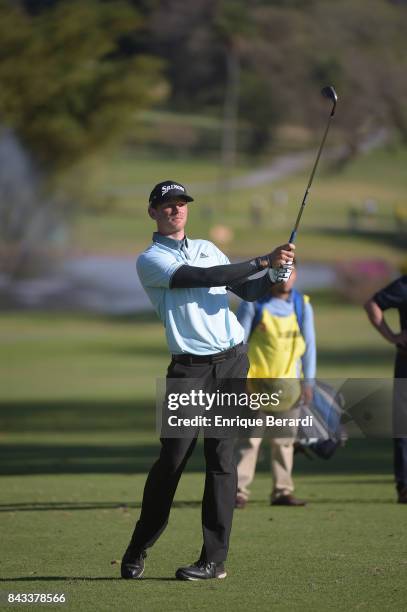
<point x="133" y="564"/>
<point x="240" y="501"/>
<point x="287" y="500"/>
<point x="201" y="570"/>
<point x="402" y="496"/>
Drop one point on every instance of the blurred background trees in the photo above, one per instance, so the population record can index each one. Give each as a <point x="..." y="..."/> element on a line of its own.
<point x="220" y="78"/>
<point x="286" y="50"/>
<point x="74" y="74"/>
<point x="67" y="92"/>
<point x="66" y="86"/>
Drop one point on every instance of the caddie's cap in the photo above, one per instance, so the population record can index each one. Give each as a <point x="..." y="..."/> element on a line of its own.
<point x="166" y="190"/>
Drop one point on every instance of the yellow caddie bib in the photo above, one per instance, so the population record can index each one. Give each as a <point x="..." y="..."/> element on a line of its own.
<point x="275" y="346"/>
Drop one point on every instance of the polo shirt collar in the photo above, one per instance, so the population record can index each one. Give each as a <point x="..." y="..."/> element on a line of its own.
<point x="170" y="242"/>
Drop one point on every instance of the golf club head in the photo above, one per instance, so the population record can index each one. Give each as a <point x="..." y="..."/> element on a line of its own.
<point x="330" y="93"/>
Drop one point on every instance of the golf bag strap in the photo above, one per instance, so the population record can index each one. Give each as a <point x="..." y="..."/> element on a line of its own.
<point x="298" y="300"/>
<point x="258" y="311"/>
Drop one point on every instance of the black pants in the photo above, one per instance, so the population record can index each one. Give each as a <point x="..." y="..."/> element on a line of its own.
<point x="400" y="419"/>
<point x="221" y="477"/>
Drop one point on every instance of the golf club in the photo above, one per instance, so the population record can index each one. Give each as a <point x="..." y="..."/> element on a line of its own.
<point x="330" y="93"/>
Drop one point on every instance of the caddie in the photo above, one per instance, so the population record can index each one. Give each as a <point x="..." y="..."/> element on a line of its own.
<point x="279" y="329"/>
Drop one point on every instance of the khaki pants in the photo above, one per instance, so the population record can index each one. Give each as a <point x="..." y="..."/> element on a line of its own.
<point x="282" y="459"/>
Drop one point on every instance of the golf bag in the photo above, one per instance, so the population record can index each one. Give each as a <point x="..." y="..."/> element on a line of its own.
<point x="326" y="433"/>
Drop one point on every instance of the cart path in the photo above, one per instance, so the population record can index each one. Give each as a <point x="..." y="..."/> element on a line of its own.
<point x="281" y="167"/>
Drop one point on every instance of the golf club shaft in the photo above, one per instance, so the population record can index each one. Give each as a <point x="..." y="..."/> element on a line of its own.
<point x="304" y="200"/>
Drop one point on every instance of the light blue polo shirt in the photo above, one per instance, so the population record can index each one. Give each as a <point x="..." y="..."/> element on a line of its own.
<point x="198" y="320"/>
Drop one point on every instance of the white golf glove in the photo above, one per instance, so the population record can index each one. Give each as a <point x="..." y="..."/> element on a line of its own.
<point x="281" y="274"/>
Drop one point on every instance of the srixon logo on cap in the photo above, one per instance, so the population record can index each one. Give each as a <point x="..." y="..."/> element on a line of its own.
<point x="166" y="188"/>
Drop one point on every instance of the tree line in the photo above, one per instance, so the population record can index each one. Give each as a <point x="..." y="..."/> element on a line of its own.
<point x="74" y="73"/>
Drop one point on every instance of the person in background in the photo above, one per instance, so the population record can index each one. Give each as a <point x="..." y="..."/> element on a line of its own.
<point x="281" y="335"/>
<point x="395" y="296"/>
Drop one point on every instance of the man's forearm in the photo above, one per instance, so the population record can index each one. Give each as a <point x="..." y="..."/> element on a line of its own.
<point x="188" y="277"/>
<point x="216" y="276"/>
<point x="376" y="317"/>
<point x="252" y="289"/>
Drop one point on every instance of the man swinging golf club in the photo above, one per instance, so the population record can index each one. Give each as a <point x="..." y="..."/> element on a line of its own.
<point x="187" y="282"/>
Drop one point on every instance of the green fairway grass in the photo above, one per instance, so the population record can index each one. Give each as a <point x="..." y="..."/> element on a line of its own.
<point x="78" y="436"/>
<point x="60" y="534"/>
<point x="325" y="233"/>
<point x="56" y="356"/>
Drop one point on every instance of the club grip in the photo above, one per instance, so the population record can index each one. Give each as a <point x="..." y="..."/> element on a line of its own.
<point x="292" y="237"/>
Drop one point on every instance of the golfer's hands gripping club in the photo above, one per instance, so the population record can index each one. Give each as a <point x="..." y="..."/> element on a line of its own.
<point x="283" y="273"/>
<point x="282" y="259"/>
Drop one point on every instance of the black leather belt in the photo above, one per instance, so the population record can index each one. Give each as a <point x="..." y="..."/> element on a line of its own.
<point x="189" y="359"/>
